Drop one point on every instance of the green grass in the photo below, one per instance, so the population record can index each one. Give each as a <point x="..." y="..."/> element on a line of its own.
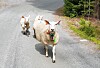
<point x="83" y="35"/>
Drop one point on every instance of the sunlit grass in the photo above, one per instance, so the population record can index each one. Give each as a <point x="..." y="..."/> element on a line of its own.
<point x="83" y="35"/>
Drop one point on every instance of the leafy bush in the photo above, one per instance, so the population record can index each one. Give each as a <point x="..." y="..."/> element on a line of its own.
<point x="86" y="27"/>
<point x="74" y="8"/>
<point x="69" y="9"/>
<point x="97" y="32"/>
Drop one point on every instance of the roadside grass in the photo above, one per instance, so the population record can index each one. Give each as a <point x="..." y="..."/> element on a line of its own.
<point x="82" y="34"/>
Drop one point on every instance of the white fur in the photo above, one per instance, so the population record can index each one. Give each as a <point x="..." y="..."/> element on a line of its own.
<point x="46" y="47"/>
<point x="43" y="37"/>
<point x="22" y="21"/>
<point x="52" y="25"/>
<point x="38" y="20"/>
<point x="27" y="18"/>
<point x="54" y="52"/>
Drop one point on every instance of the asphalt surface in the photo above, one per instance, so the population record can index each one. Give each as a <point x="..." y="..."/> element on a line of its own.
<point x="19" y="51"/>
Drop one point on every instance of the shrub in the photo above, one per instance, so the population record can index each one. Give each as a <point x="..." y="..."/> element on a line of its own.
<point x="86" y="27"/>
<point x="74" y="8"/>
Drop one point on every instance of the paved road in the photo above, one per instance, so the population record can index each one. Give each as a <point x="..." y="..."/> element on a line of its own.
<point x="20" y="51"/>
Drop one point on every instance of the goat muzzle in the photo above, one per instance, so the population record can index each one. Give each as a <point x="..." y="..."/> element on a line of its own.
<point x="52" y="34"/>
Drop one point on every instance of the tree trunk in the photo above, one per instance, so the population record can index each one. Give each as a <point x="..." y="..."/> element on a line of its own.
<point x="97" y="9"/>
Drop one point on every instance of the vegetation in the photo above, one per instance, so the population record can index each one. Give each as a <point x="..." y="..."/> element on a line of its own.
<point x="74" y="8"/>
<point x="87" y="30"/>
<point x="97" y="9"/>
<point x="84" y="9"/>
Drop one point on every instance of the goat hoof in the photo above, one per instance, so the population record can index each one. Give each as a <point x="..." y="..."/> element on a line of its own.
<point x="53" y="61"/>
<point x="46" y="55"/>
<point x="24" y="32"/>
<point x="34" y="36"/>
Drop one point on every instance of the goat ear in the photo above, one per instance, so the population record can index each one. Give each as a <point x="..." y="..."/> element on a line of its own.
<point x="29" y="16"/>
<point x="47" y="22"/>
<point x="41" y="17"/>
<point x="22" y="16"/>
<point x="58" y="22"/>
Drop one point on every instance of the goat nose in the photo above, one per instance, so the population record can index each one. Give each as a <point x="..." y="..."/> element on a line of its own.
<point x="52" y="29"/>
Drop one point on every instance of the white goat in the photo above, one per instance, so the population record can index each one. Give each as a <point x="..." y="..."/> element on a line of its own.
<point x="47" y="34"/>
<point x="22" y="21"/>
<point x="37" y="20"/>
<point x="25" y="23"/>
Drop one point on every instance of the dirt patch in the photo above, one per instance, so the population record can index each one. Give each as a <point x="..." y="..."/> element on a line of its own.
<point x="59" y="11"/>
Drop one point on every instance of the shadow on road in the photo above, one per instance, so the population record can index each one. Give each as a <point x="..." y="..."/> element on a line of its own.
<point x="40" y="48"/>
<point x="27" y="33"/>
<point x="50" y="5"/>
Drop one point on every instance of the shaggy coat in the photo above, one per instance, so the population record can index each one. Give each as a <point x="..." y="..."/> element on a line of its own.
<point x="42" y="34"/>
<point x="46" y="35"/>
